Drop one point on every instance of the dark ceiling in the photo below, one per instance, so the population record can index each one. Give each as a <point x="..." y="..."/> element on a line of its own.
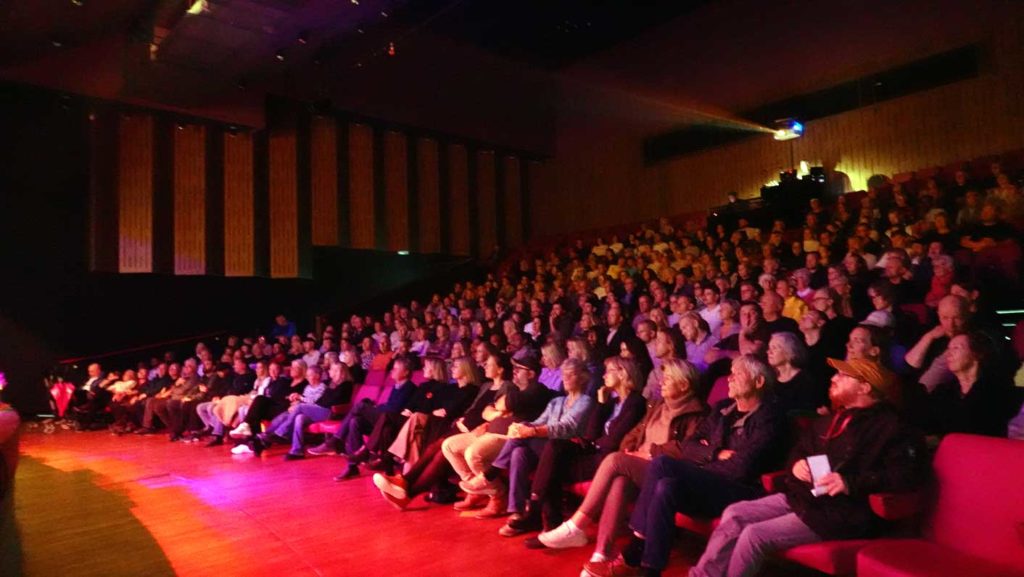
<point x="548" y="34"/>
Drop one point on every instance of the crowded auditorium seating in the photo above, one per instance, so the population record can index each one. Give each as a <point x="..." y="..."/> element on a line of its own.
<point x="974" y="522"/>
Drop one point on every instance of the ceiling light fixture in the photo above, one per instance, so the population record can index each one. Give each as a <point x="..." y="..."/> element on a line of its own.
<point x="279" y="55"/>
<point x="303" y="37"/>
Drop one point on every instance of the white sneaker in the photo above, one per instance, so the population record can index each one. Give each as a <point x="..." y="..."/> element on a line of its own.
<point x="242" y="430"/>
<point x="242" y="449"/>
<point x="562" y="537"/>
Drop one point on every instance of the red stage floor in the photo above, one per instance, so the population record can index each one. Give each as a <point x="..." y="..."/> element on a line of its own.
<point x="218" y="515"/>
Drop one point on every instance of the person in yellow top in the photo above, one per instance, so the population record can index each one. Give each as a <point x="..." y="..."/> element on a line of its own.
<point x="793" y="306"/>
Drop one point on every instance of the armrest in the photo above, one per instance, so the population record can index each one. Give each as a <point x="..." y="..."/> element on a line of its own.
<point x="896" y="506"/>
<point x="340" y="410"/>
<point x="774" y="482"/>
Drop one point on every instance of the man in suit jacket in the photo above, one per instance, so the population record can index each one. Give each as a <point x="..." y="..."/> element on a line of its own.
<point x="619" y="331"/>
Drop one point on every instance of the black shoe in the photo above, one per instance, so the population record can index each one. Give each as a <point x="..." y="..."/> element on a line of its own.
<point x="257" y="445"/>
<point x="534" y="543"/>
<point x="526" y="523"/>
<point x="175" y="437"/>
<point x="350" y="473"/>
<point x="217" y="441"/>
<point x="293" y="456"/>
<point x="633" y="553"/>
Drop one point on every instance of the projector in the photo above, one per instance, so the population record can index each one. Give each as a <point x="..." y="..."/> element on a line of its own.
<point x="788" y="129"/>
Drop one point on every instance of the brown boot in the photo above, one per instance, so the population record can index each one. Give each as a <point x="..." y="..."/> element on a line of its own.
<point x="496" y="507"/>
<point x="471" y="502"/>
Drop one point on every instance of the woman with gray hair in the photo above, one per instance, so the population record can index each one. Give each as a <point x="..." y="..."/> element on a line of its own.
<point x="795" y="390"/>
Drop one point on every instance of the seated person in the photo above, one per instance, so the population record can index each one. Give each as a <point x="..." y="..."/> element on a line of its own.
<point x="169" y="404"/>
<point x="926" y="356"/>
<point x="430" y="472"/>
<point x="563" y="419"/>
<point x="361" y="419"/>
<point x="90" y="402"/>
<point x="448" y="402"/>
<point x="314" y="406"/>
<point x="795" y="390"/>
<point x="980" y="402"/>
<point x="219" y="412"/>
<point x="720" y="465"/>
<point x="424" y="400"/>
<point x="268" y="399"/>
<point x="870" y="452"/>
<point x="621" y="474"/>
<point x="522" y="400"/>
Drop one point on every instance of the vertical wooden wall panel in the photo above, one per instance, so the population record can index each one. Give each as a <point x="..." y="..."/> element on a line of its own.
<point x="487" y="221"/>
<point x="429" y="195"/>
<point x="396" y="190"/>
<point x="239" y="218"/>
<point x="135" y="194"/>
<point x="283" y="183"/>
<point x="512" y="212"/>
<point x="361" y="202"/>
<point x="190" y="200"/>
<point x="324" y="180"/>
<point x="458" y="201"/>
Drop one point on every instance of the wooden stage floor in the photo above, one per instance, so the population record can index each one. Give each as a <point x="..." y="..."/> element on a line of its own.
<point x="218" y="515"/>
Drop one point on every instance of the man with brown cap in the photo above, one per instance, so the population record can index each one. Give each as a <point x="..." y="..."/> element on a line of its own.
<point x="868" y="451"/>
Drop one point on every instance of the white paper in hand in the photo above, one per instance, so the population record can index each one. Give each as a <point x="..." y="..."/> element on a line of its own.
<point x="820" y="467"/>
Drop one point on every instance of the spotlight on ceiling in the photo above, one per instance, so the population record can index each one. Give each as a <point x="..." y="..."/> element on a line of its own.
<point x="391" y="49"/>
<point x="788" y="129"/>
<point x="384" y="13"/>
<point x="303" y="37"/>
<point x="279" y="55"/>
<point x="356" y="2"/>
<point x="78" y="2"/>
<point x="56" y="43"/>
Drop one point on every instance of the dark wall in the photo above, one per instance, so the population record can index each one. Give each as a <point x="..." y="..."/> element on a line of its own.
<point x="52" y="307"/>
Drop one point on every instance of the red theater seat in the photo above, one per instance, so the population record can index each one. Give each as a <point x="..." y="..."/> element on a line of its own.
<point x="976" y="525"/>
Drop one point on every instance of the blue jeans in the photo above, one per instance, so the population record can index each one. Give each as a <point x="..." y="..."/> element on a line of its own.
<point x="673" y="486"/>
<point x="749" y="531"/>
<point x="292" y="422"/>
<point x="520" y="458"/>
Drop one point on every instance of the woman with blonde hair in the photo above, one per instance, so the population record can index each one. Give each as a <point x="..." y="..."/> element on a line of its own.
<point x="552" y="355"/>
<point x="621" y="474"/>
<point x="431" y="471"/>
<point x="431" y="405"/>
<point x="619" y="408"/>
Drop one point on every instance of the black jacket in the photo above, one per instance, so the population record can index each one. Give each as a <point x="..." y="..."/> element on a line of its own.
<point x="634" y="406"/>
<point x="757" y="437"/>
<point x="873" y="452"/>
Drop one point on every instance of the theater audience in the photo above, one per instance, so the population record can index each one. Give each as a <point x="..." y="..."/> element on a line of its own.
<point x="868" y="451"/>
<point x="562" y="419"/>
<point x="721" y="464"/>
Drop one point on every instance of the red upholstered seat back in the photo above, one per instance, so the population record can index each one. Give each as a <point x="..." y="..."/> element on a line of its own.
<point x="719" y="390"/>
<point x="980" y="507"/>
<point x="370" y="388"/>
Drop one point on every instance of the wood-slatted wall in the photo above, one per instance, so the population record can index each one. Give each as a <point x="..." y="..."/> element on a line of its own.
<point x="307" y="181"/>
<point x="190" y="200"/>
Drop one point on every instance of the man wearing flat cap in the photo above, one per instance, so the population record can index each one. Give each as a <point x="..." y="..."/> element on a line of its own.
<point x="868" y="451"/>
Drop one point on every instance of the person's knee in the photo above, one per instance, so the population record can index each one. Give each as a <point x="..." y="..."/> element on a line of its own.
<point x="752" y="538"/>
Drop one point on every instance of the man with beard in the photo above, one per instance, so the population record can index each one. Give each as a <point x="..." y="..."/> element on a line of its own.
<point x="868" y="451"/>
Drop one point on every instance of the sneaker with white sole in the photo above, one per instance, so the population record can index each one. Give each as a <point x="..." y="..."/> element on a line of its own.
<point x="242" y="449"/>
<point x="242" y="430"/>
<point x="393" y="486"/>
<point x="563" y="537"/>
